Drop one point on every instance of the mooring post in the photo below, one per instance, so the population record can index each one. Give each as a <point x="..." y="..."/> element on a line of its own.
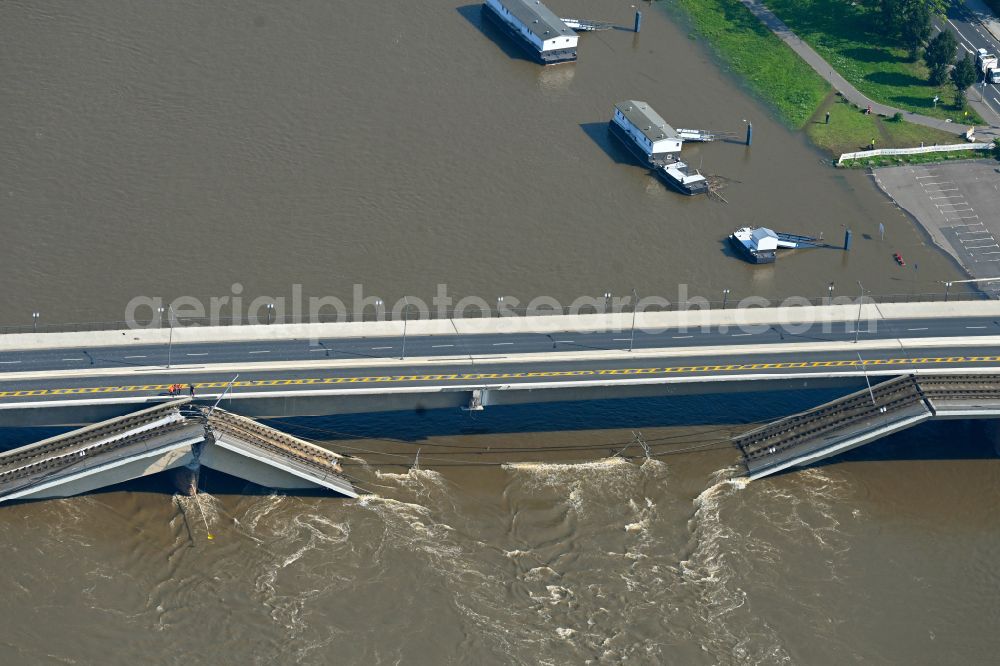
<point x="749" y="133"/>
<point x="847" y="240"/>
<point x="638" y="20"/>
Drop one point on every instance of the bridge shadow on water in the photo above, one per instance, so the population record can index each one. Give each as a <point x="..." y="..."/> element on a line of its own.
<point x="731" y="412"/>
<point x="736" y="409"/>
<point x="930" y="441"/>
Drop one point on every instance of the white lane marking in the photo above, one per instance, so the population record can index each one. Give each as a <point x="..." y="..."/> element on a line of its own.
<point x="9" y="362"/>
<point x="966" y="217"/>
<point x="923" y="328"/>
<point x="948" y="196"/>
<point x="975" y="327"/>
<point x="439" y="346"/>
<point x="134" y="357"/>
<point x="929" y="175"/>
<point x="381" y="347"/>
<point x="260" y="351"/>
<point x="73" y="359"/>
<point x="681" y="337"/>
<point x="500" y="344"/>
<point x="740" y="335"/>
<point x="959" y="32"/>
<point x="199" y="354"/>
<point x="980" y="247"/>
<point x="989" y="253"/>
<point x="564" y="341"/>
<point x="621" y="340"/>
<point x="945" y="189"/>
<point x="319" y="349"/>
<point x="943" y="182"/>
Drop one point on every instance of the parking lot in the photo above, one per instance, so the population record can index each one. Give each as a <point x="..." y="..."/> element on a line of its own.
<point x="959" y="206"/>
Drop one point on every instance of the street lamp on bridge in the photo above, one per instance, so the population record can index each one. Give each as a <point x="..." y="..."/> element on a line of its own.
<point x="635" y="306"/>
<point x="861" y="300"/>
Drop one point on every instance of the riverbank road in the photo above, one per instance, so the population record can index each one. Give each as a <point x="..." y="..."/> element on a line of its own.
<point x="955" y="203"/>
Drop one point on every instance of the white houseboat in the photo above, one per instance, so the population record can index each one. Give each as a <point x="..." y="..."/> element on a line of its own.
<point x="645" y="133"/>
<point x="656" y="145"/>
<point x="760" y="245"/>
<point x="535" y="28"/>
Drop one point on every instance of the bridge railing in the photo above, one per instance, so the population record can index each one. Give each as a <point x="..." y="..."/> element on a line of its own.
<point x="370" y="314"/>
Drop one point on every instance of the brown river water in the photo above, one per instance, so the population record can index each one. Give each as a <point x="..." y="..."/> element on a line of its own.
<point x="177" y="148"/>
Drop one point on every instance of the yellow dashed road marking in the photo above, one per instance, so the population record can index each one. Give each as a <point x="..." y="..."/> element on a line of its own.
<point x="465" y="377"/>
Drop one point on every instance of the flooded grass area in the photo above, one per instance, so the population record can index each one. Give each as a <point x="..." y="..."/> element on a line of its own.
<point x="771" y="69"/>
<point x="851" y="129"/>
<point x="845" y="35"/>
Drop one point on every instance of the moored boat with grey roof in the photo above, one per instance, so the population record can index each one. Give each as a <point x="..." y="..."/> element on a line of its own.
<point x="535" y="28"/>
<point x="678" y="176"/>
<point x="645" y="133"/>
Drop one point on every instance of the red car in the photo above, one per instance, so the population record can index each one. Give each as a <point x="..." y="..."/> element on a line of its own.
<point x="899" y="258"/>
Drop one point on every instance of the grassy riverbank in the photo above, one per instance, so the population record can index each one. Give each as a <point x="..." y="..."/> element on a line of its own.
<point x="850" y="129"/>
<point x="772" y="70"/>
<point x="798" y="94"/>
<point x="844" y="34"/>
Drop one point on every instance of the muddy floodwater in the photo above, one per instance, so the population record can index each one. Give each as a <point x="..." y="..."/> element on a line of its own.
<point x="175" y="149"/>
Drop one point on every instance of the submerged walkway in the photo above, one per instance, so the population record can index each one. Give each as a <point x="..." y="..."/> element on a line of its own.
<point x="842" y="85"/>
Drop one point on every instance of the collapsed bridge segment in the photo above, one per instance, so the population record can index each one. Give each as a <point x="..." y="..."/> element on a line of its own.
<point x="865" y="416"/>
<point x="172" y="436"/>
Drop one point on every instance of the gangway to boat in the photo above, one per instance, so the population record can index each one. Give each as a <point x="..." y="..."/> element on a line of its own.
<point x="696" y="135"/>
<point x="586" y="25"/>
<point x="791" y="241"/>
<point x="705" y="135"/>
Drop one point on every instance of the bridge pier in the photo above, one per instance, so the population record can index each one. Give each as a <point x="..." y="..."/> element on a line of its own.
<point x="186" y="478"/>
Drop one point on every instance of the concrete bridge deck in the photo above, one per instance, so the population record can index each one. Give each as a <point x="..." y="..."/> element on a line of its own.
<point x="321" y="369"/>
<point x="866" y="416"/>
<point x="174" y="435"/>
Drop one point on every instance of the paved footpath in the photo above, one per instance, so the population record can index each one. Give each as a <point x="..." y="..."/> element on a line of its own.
<point x="842" y="85"/>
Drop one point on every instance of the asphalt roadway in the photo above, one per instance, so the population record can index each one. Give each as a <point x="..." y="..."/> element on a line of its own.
<point x="968" y="20"/>
<point x="497" y="347"/>
<point x="500" y="373"/>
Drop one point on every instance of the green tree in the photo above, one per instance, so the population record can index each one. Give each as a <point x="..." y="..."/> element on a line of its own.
<point x="915" y="29"/>
<point x="939" y="55"/>
<point x="906" y="20"/>
<point x="963" y="76"/>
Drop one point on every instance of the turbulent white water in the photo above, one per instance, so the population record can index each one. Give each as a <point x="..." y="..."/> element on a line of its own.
<point x="603" y="562"/>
